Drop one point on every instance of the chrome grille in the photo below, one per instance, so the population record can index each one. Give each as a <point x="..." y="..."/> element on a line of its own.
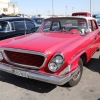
<point x="24" y="58"/>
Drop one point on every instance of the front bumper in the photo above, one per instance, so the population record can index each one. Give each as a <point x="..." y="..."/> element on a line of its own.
<point x="45" y="77"/>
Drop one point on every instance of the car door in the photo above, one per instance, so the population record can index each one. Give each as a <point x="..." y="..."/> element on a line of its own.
<point x="97" y="33"/>
<point x="19" y="28"/>
<point x="93" y="36"/>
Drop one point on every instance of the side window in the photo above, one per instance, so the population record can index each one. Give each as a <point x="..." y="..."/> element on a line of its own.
<point x="4" y="26"/>
<point x="20" y="25"/>
<point x="90" y="25"/>
<point x="29" y="25"/>
<point x="12" y="26"/>
<point x="47" y="26"/>
<point x="55" y="25"/>
<point x="94" y="25"/>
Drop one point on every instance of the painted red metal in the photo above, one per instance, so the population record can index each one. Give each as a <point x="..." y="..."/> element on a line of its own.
<point x="81" y="14"/>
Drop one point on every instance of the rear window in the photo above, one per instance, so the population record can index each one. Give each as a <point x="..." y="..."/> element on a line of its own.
<point x="4" y="26"/>
<point x="74" y="23"/>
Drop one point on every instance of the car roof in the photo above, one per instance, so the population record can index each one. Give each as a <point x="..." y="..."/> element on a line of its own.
<point x="10" y="19"/>
<point x="81" y="13"/>
<point x="36" y="18"/>
<point x="81" y="17"/>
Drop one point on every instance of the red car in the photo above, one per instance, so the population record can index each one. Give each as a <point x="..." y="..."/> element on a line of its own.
<point x="55" y="53"/>
<point x="81" y="14"/>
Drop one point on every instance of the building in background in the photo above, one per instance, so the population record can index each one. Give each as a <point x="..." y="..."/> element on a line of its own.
<point x="13" y="8"/>
<point x="7" y="7"/>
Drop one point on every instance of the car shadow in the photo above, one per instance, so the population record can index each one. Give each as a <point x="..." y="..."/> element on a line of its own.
<point x="25" y="83"/>
<point x="93" y="65"/>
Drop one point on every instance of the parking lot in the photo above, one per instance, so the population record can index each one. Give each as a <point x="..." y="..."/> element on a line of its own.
<point x="17" y="88"/>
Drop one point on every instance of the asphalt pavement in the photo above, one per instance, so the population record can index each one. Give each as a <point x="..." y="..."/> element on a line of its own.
<point x="18" y="88"/>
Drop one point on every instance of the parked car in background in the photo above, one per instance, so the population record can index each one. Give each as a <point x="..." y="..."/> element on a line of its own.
<point x="4" y="15"/>
<point x="86" y="14"/>
<point x="37" y="21"/>
<point x="15" y="26"/>
<point x="97" y="17"/>
<point x="55" y="53"/>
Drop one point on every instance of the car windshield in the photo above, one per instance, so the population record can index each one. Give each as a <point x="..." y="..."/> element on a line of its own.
<point x="4" y="26"/>
<point x="39" y="21"/>
<point x="66" y="24"/>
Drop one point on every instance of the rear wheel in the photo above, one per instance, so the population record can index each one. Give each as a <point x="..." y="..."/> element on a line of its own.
<point x="76" y="78"/>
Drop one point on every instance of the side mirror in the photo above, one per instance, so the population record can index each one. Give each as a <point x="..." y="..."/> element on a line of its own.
<point x="86" y="31"/>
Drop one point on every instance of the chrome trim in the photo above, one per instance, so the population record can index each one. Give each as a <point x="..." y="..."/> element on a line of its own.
<point x="53" y="58"/>
<point x="45" y="77"/>
<point x="83" y="50"/>
<point x="23" y="51"/>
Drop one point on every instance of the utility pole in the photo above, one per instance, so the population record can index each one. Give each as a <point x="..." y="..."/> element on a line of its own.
<point x="90" y="7"/>
<point x="66" y="10"/>
<point x="72" y="9"/>
<point x="52" y="8"/>
<point x="37" y="12"/>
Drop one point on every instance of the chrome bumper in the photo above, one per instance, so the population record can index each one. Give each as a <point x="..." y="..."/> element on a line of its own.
<point x="45" y="77"/>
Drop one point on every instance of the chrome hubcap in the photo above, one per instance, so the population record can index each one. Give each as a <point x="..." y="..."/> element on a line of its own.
<point x="77" y="75"/>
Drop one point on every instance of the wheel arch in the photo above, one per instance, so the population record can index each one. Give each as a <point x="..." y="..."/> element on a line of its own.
<point x="84" y="57"/>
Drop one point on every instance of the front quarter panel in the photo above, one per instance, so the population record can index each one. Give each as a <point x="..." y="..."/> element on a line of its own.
<point x="71" y="52"/>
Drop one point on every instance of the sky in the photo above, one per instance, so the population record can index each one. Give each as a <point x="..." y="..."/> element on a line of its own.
<point x="44" y="7"/>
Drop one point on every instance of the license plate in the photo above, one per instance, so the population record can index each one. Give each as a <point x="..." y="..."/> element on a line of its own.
<point x="20" y="73"/>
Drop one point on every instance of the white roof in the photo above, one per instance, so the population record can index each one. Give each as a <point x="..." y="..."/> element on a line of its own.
<point x="87" y="18"/>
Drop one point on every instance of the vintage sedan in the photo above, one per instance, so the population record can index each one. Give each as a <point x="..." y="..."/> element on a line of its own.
<point x="55" y="53"/>
<point x="15" y="26"/>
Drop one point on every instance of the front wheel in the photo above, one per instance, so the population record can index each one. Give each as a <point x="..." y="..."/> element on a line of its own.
<point x="76" y="78"/>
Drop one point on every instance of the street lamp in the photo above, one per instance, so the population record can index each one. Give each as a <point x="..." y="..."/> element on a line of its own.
<point x="66" y="10"/>
<point x="52" y="8"/>
<point x="90" y="7"/>
<point x="48" y="12"/>
<point x="37" y="12"/>
<point x="72" y="9"/>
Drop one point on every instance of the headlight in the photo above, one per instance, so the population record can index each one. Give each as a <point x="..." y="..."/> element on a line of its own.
<point x="53" y="67"/>
<point x="59" y="59"/>
<point x="55" y="63"/>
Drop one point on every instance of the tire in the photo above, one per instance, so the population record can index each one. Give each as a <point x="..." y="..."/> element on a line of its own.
<point x="98" y="49"/>
<point x="76" y="78"/>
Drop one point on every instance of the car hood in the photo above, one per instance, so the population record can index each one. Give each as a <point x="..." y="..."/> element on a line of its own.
<point x="41" y="41"/>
